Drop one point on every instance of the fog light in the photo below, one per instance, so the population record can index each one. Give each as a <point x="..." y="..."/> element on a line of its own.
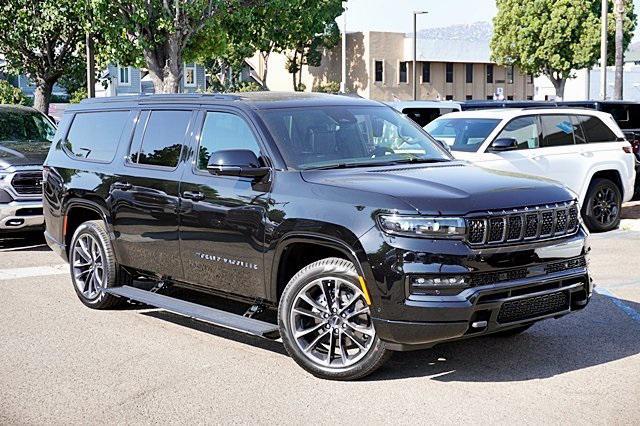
<point x="438" y="285"/>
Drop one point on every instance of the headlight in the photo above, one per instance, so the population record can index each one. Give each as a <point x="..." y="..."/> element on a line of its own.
<point x="420" y="226"/>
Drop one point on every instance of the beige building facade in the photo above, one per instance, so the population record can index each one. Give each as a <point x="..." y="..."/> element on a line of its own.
<point x="380" y="67"/>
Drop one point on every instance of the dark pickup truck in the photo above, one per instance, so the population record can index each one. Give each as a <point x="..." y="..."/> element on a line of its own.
<point x="339" y="216"/>
<point x="25" y="137"/>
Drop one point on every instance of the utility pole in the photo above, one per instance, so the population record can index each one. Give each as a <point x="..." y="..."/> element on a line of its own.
<point x="415" y="53"/>
<point x="343" y="82"/>
<point x="603" y="50"/>
<point x="619" y="14"/>
<point x="91" y="68"/>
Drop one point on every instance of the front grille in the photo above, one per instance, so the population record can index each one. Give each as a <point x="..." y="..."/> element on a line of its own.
<point x="27" y="183"/>
<point x="579" y="262"/>
<point x="532" y="307"/>
<point x="489" y="278"/>
<point x="527" y="224"/>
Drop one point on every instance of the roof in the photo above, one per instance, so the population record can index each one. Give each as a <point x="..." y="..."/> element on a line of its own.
<point x="21" y="108"/>
<point x="467" y="51"/>
<point x="423" y="104"/>
<point x="258" y="100"/>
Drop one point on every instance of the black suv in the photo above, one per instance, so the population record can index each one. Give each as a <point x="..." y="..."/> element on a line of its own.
<point x="341" y="214"/>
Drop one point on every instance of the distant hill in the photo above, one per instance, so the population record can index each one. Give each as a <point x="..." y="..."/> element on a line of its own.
<point x="478" y="32"/>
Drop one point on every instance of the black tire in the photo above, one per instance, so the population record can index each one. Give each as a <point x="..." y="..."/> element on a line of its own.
<point x="371" y="359"/>
<point x="95" y="229"/>
<point x="512" y="332"/>
<point x="602" y="206"/>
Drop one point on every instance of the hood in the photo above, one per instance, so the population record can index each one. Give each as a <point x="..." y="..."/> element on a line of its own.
<point x="454" y="188"/>
<point x="22" y="153"/>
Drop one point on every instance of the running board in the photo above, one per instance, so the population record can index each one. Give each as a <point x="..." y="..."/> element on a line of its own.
<point x="199" y="312"/>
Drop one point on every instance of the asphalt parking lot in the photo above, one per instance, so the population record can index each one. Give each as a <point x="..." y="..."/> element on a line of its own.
<point x="63" y="363"/>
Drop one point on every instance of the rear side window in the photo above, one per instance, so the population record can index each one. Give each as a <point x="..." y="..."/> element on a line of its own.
<point x="595" y="130"/>
<point x="557" y="130"/>
<point x="95" y="135"/>
<point x="161" y="143"/>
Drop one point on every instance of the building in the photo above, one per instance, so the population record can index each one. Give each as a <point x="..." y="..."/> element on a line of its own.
<point x="380" y="67"/>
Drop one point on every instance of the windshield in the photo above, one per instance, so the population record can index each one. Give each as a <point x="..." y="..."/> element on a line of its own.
<point x="25" y="130"/>
<point x="462" y="134"/>
<point x="342" y="136"/>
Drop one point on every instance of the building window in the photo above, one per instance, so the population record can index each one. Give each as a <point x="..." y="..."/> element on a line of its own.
<point x="426" y="72"/>
<point x="529" y="98"/>
<point x="490" y="97"/>
<point x="449" y="72"/>
<point x="510" y="74"/>
<point x="403" y="74"/>
<point x="124" y="76"/>
<point x="449" y="97"/>
<point x="189" y="75"/>
<point x="469" y="72"/>
<point x="469" y="97"/>
<point x="379" y="71"/>
<point x="490" y="73"/>
<point x="509" y="98"/>
<point x="529" y="78"/>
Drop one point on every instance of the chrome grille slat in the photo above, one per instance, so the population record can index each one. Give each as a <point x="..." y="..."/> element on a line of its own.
<point x="520" y="225"/>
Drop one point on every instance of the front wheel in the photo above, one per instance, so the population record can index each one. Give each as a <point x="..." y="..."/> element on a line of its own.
<point x="326" y="325"/>
<point x="602" y="206"/>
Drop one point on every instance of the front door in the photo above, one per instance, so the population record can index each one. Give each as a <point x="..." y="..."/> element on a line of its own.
<point x="144" y="197"/>
<point x="222" y="217"/>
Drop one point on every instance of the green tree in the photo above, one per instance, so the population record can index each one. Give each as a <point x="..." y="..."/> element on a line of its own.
<point x="551" y="37"/>
<point x="42" y="39"/>
<point x="11" y="95"/>
<point x="163" y="33"/>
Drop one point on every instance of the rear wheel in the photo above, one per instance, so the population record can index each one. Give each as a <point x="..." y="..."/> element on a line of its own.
<point x="93" y="265"/>
<point x="326" y="323"/>
<point x="603" y="206"/>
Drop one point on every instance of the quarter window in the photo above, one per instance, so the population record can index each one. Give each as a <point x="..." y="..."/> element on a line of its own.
<point x="524" y="130"/>
<point x="595" y="130"/>
<point x="223" y="131"/>
<point x="95" y="135"/>
<point x="163" y="138"/>
<point x="557" y="130"/>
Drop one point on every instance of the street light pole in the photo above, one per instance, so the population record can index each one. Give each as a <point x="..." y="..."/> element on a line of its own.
<point x="415" y="53"/>
<point x="603" y="50"/>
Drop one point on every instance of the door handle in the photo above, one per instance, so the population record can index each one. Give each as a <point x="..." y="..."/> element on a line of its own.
<point x="123" y="186"/>
<point x="193" y="195"/>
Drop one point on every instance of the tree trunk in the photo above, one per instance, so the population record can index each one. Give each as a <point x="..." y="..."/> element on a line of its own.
<point x="165" y="66"/>
<point x="558" y="81"/>
<point x="619" y="11"/>
<point x="265" y="70"/>
<point x="42" y="95"/>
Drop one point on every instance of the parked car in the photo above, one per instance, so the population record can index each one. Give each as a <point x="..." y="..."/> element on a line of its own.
<point x="25" y="137"/>
<point x="424" y="112"/>
<point x="583" y="149"/>
<point x="340" y="213"/>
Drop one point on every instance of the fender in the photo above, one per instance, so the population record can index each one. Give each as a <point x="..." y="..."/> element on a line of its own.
<point x="91" y="205"/>
<point x="610" y="166"/>
<point x="357" y="256"/>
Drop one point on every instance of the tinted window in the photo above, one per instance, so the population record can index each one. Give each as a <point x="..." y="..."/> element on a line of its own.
<point x="557" y="130"/>
<point x="595" y="130"/>
<point x="330" y="136"/>
<point x="223" y="131"/>
<point x="95" y="135"/>
<point x="524" y="130"/>
<point x="462" y="134"/>
<point x="163" y="137"/>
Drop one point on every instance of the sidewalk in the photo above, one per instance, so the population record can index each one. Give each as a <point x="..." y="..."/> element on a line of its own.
<point x="630" y="216"/>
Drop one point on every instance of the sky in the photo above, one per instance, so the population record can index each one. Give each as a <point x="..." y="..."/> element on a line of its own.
<point x="397" y="15"/>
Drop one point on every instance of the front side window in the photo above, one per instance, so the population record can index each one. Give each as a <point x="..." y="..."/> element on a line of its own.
<point x="124" y="76"/>
<point x="462" y="134"/>
<point x="403" y="77"/>
<point x="343" y="136"/>
<point x="224" y="131"/>
<point x="524" y="130"/>
<point x="95" y="135"/>
<point x="557" y="130"/>
<point x="24" y="127"/>
<point x="164" y="135"/>
<point x="594" y="130"/>
<point x="379" y="71"/>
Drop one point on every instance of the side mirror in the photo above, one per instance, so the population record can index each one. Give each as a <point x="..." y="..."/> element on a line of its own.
<point x="504" y="144"/>
<point x="236" y="162"/>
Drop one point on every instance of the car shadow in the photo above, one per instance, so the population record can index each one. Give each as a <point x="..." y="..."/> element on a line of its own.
<point x="601" y="333"/>
<point x="23" y="241"/>
<point x="630" y="211"/>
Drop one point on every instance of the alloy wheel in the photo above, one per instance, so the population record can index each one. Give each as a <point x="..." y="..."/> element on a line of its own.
<point x="605" y="206"/>
<point x="331" y="323"/>
<point x="88" y="266"/>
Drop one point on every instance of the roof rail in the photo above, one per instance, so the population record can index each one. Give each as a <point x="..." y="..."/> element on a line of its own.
<point x="150" y="98"/>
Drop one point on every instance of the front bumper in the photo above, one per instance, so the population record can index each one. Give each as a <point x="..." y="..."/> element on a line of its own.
<point x="21" y="215"/>
<point x="530" y="282"/>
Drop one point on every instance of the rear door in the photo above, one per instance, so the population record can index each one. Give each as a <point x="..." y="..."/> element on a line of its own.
<point x="222" y="219"/>
<point x="144" y="195"/>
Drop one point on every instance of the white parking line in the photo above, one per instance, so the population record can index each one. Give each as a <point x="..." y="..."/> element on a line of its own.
<point x="34" y="271"/>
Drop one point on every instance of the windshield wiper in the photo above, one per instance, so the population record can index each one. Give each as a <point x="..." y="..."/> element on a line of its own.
<point x="416" y="160"/>
<point x="350" y="165"/>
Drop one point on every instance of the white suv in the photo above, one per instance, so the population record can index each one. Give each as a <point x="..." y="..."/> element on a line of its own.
<point x="583" y="149"/>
